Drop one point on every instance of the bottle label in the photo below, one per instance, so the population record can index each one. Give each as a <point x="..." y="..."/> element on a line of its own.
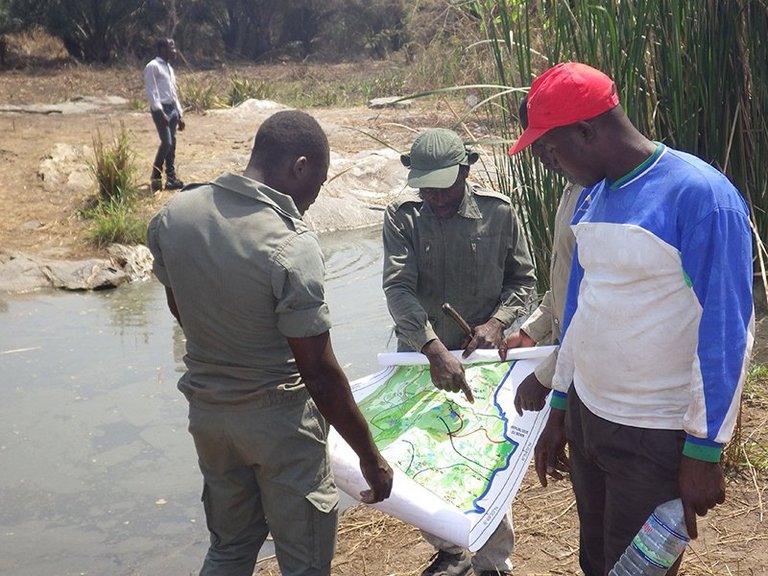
<point x="667" y="550"/>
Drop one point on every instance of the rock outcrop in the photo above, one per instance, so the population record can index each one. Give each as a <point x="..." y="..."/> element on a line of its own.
<point x="21" y="273"/>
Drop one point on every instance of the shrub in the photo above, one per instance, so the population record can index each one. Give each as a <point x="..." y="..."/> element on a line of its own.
<point x="113" y="167"/>
<point x="116" y="220"/>
<point x="113" y="209"/>
<point x="242" y="89"/>
<point x="198" y="95"/>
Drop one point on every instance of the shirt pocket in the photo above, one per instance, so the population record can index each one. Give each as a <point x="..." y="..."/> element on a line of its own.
<point x="483" y="264"/>
<point x="429" y="268"/>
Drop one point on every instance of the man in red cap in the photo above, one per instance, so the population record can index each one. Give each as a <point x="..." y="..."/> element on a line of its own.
<point x="658" y="324"/>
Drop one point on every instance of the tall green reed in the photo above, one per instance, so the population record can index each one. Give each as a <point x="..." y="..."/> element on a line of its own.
<point x="690" y="74"/>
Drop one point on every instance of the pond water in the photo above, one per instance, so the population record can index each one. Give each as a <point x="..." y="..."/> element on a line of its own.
<point x="98" y="475"/>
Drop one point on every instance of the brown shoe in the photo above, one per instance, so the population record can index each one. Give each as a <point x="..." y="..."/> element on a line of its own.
<point x="156" y="185"/>
<point x="445" y="564"/>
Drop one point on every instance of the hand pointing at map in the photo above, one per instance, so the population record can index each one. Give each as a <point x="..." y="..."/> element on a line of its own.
<point x="445" y="369"/>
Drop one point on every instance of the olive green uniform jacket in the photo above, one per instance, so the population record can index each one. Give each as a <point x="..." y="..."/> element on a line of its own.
<point x="477" y="261"/>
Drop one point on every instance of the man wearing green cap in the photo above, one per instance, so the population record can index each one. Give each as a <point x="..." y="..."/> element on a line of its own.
<point x="458" y="243"/>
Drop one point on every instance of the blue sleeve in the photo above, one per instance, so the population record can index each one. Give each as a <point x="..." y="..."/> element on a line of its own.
<point x="716" y="254"/>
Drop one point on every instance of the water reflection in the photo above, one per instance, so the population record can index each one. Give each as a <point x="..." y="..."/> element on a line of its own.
<point x="99" y="475"/>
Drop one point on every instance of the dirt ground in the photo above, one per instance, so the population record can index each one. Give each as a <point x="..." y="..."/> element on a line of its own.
<point x="43" y="219"/>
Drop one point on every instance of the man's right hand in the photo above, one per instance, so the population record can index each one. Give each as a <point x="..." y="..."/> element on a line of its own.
<point x="329" y="388"/>
<point x="549" y="454"/>
<point x="531" y="394"/>
<point x="445" y="369"/>
<point x="379" y="476"/>
<point x="517" y="339"/>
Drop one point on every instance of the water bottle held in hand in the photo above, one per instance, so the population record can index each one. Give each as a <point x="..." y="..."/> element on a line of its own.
<point x="657" y="545"/>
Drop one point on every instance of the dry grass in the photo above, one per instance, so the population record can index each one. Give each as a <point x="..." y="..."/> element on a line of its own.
<point x="34" y="48"/>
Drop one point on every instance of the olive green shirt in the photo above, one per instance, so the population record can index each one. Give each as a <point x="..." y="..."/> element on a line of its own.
<point x="544" y="324"/>
<point x="246" y="274"/>
<point x="477" y="261"/>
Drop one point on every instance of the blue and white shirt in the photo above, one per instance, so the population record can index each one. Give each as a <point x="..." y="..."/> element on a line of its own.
<point x="659" y="318"/>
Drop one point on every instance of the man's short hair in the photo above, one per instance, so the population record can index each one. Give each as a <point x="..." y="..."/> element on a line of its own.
<point x="163" y="43"/>
<point x="287" y="135"/>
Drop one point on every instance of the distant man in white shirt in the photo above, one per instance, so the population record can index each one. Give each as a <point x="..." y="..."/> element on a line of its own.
<point x="163" y="99"/>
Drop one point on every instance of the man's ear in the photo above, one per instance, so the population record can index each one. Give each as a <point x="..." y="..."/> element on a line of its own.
<point x="300" y="167"/>
<point x="586" y="131"/>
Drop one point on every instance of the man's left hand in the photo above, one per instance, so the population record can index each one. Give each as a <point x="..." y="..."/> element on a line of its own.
<point x="182" y="125"/>
<point x="702" y="487"/>
<point x="488" y="335"/>
<point x="531" y="394"/>
<point x="549" y="454"/>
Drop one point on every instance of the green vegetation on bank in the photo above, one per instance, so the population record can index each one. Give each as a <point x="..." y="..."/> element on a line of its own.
<point x="112" y="212"/>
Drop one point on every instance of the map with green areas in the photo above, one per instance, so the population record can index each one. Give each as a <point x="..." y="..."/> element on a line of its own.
<point x="451" y="447"/>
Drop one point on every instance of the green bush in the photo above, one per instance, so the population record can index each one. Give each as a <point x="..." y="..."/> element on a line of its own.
<point x="198" y="95"/>
<point x="116" y="220"/>
<point x="112" y="211"/>
<point x="242" y="89"/>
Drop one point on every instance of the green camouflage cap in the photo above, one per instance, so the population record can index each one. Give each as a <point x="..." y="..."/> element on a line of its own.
<point x="435" y="158"/>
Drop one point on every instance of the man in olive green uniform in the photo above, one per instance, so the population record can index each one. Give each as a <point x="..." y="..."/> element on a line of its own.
<point x="244" y="278"/>
<point x="454" y="242"/>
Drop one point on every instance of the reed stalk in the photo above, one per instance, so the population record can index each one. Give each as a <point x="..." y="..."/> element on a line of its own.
<point x="690" y="74"/>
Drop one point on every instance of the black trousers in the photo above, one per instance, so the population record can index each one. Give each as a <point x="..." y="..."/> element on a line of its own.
<point x="619" y="475"/>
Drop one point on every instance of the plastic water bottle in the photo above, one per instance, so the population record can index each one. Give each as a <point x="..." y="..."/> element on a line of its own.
<point x="657" y="545"/>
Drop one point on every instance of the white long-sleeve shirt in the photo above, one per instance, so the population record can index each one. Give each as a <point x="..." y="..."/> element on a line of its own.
<point x="160" y="85"/>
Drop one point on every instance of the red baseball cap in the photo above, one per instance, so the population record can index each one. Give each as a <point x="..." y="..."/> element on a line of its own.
<point x="565" y="94"/>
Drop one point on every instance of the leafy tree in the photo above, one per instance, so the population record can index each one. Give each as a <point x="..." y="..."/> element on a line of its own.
<point x="372" y="28"/>
<point x="8" y="24"/>
<point x="245" y="26"/>
<point x="91" y="30"/>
